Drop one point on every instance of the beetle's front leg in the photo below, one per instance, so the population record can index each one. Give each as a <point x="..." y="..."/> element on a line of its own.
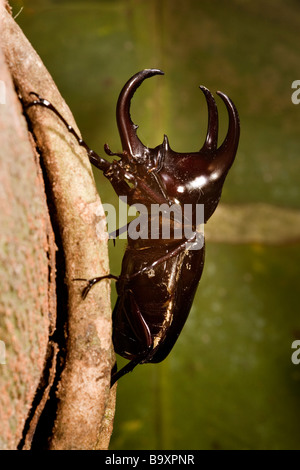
<point x="95" y="159"/>
<point x="112" y="171"/>
<point x="117" y="178"/>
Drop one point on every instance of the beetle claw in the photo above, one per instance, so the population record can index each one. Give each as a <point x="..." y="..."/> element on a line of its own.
<point x="91" y="282"/>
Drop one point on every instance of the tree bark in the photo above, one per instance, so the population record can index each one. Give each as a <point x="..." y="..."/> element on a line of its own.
<point x="55" y="385"/>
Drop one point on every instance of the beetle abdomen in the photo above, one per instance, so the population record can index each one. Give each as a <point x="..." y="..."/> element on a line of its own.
<point x="162" y="294"/>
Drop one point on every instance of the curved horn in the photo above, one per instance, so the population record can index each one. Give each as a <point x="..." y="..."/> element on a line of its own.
<point x="226" y="152"/>
<point x="127" y="129"/>
<point x="211" y="141"/>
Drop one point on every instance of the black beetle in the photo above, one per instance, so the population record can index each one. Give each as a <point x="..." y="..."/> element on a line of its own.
<point x="160" y="273"/>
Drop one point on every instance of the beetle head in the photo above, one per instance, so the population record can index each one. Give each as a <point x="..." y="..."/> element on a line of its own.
<point x="187" y="178"/>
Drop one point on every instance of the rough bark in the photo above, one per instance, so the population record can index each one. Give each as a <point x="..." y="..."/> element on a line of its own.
<point x="68" y="359"/>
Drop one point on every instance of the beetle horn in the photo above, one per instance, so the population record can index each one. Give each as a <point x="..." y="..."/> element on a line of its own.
<point x="211" y="141"/>
<point x="226" y="152"/>
<point x="127" y="129"/>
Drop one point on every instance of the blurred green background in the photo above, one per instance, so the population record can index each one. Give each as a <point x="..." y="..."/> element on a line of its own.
<point x="229" y="382"/>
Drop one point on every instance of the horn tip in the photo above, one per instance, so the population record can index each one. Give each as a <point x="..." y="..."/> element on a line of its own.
<point x="153" y="72"/>
<point x="206" y="92"/>
<point x="166" y="144"/>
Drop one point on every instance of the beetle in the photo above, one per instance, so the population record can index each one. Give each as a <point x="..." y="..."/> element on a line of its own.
<point x="160" y="273"/>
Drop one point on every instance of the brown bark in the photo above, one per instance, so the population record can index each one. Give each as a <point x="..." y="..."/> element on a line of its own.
<point x="37" y="359"/>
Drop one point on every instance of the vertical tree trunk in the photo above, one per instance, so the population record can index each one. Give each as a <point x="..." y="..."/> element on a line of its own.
<point x="57" y="346"/>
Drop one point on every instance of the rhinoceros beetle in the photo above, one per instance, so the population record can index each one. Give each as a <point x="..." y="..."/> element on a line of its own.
<point x="160" y="274"/>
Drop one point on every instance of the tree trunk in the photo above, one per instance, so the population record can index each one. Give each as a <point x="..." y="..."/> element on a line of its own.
<point x="56" y="350"/>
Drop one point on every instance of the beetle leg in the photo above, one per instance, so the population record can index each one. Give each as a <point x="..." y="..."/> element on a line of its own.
<point x="128" y="368"/>
<point x="117" y="178"/>
<point x="138" y="323"/>
<point x="119" y="231"/>
<point x="91" y="282"/>
<point x="112" y="171"/>
<point x="179" y="248"/>
<point x="143" y="334"/>
<point x="98" y="161"/>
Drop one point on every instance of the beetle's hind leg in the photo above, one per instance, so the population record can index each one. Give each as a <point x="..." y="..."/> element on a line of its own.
<point x="116" y="375"/>
<point x="141" y="331"/>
